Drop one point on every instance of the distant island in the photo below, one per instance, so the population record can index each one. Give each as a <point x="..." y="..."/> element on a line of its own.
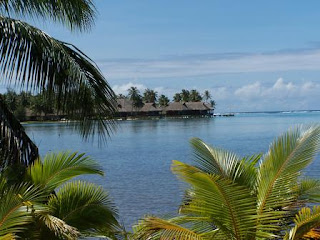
<point x="187" y="103"/>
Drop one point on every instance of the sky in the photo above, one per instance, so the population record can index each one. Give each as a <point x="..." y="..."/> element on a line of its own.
<point x="251" y="55"/>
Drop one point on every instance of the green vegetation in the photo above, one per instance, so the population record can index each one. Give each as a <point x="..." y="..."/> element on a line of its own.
<point x="255" y="197"/>
<point x="37" y="199"/>
<point x="37" y="105"/>
<point x="163" y="101"/>
<point x="43" y="204"/>
<point x="151" y="96"/>
<point x="135" y="97"/>
<point x="59" y="71"/>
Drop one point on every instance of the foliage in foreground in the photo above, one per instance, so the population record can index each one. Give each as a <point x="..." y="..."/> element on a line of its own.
<point x="256" y="197"/>
<point x="46" y="205"/>
<point x="35" y="61"/>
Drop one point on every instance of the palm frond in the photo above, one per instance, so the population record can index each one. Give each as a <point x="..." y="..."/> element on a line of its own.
<point x="58" y="168"/>
<point x="16" y="148"/>
<point x="157" y="228"/>
<point x="76" y="14"/>
<point x="282" y="165"/>
<point x="16" y="207"/>
<point x="85" y="207"/>
<point x="31" y="58"/>
<point x="9" y="236"/>
<point x="224" y="163"/>
<point x="309" y="190"/>
<point x="230" y="206"/>
<point x="58" y="227"/>
<point x="305" y="223"/>
<point x="213" y="160"/>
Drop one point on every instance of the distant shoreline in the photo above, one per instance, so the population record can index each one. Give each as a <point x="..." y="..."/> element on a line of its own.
<point x="281" y="111"/>
<point x="181" y="117"/>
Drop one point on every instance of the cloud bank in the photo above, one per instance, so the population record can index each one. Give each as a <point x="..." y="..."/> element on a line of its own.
<point x="170" y="74"/>
<point x="208" y="64"/>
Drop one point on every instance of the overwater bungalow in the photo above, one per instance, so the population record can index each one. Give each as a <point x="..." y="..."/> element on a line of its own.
<point x="150" y="109"/>
<point x="199" y="108"/>
<point x="126" y="109"/>
<point x="189" y="109"/>
<point x="176" y="109"/>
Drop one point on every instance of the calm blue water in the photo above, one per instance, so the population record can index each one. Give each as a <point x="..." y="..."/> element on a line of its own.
<point x="137" y="158"/>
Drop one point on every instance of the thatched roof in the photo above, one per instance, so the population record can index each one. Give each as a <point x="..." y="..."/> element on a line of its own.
<point x="150" y="107"/>
<point x="125" y="105"/>
<point x="188" y="106"/>
<point x="200" y="106"/>
<point x="176" y="106"/>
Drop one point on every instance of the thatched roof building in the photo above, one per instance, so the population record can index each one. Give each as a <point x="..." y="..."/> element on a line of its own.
<point x="176" y="107"/>
<point x="126" y="108"/>
<point x="199" y="106"/>
<point x="150" y="107"/>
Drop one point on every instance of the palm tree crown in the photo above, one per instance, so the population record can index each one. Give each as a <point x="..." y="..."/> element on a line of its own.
<point x="46" y="205"/>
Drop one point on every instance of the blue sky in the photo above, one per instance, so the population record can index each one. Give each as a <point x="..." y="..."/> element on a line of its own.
<point x="251" y="55"/>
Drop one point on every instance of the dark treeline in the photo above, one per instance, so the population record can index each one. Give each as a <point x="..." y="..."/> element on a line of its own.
<point x="151" y="96"/>
<point x="24" y="104"/>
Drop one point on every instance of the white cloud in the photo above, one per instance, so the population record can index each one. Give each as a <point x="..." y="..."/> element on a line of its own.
<point x="282" y="95"/>
<point x="249" y="91"/>
<point x="123" y="89"/>
<point x="199" y="65"/>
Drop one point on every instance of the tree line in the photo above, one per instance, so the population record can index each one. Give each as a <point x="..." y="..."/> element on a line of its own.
<point x="151" y="96"/>
<point x="20" y="103"/>
<point x="42" y="104"/>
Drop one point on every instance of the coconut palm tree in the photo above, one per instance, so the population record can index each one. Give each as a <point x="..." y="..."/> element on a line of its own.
<point x="213" y="104"/>
<point x="256" y="197"/>
<point x="150" y="96"/>
<point x="185" y="95"/>
<point x="163" y="101"/>
<point x="46" y="205"/>
<point x="135" y="97"/>
<point x="177" y="97"/>
<point x="195" y="96"/>
<point x="206" y="95"/>
<point x="36" y="61"/>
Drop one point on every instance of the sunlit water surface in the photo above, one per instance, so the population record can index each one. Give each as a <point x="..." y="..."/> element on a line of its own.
<point x="138" y="156"/>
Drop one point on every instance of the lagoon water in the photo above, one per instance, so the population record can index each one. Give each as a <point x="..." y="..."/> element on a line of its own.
<point x="137" y="158"/>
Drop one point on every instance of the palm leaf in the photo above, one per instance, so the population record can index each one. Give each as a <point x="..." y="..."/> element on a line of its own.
<point x="214" y="160"/>
<point x="224" y="163"/>
<point x="16" y="207"/>
<point x="59" y="228"/>
<point x="230" y="206"/>
<point x="305" y="223"/>
<point x="31" y="58"/>
<point x="9" y="236"/>
<point x="309" y="190"/>
<point x="283" y="164"/>
<point x="58" y="168"/>
<point x="16" y="148"/>
<point x="156" y="228"/>
<point x="76" y="14"/>
<point x="84" y="206"/>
